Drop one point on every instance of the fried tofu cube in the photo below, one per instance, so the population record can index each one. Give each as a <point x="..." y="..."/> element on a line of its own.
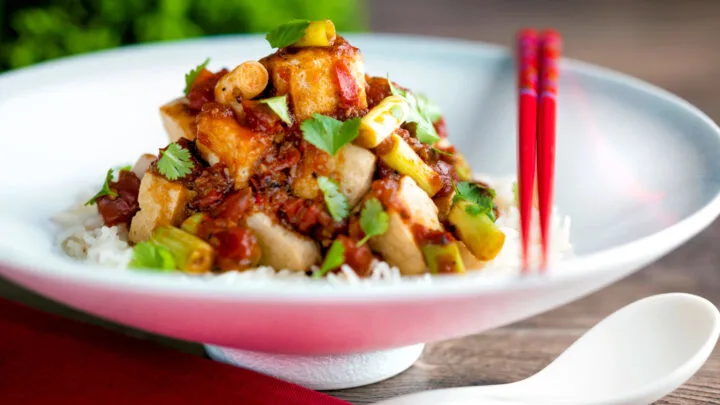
<point x="282" y="248"/>
<point x="161" y="203"/>
<point x="222" y="139"/>
<point x="397" y="246"/>
<point x="353" y="167"/>
<point x="328" y="81"/>
<point x="177" y="119"/>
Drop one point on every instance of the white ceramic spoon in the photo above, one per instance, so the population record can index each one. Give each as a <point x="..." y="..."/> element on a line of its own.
<point x="635" y="356"/>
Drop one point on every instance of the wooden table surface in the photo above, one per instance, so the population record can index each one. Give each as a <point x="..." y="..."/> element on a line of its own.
<point x="673" y="44"/>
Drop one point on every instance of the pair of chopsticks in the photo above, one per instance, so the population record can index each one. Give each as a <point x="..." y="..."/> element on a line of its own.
<point x="538" y="57"/>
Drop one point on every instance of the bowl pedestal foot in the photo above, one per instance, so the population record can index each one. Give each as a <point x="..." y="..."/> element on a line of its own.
<point x="322" y="372"/>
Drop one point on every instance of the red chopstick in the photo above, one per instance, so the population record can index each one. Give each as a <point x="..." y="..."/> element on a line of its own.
<point x="537" y="109"/>
<point x="550" y="48"/>
<point x="527" y="60"/>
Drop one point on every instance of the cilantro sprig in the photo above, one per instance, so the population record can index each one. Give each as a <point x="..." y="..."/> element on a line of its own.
<point x="334" y="258"/>
<point x="422" y="112"/>
<point x="175" y="162"/>
<point x="193" y="74"/>
<point x="279" y="105"/>
<point x="106" y="190"/>
<point x="287" y="34"/>
<point x="336" y="201"/>
<point x="481" y="198"/>
<point x="149" y="255"/>
<point x="329" y="134"/>
<point x="374" y="220"/>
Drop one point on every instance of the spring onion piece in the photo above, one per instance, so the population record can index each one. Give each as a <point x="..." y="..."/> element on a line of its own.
<point x="382" y="121"/>
<point x="148" y="255"/>
<point x="443" y="258"/>
<point x="476" y="230"/>
<point x="401" y="157"/>
<point x="191" y="253"/>
<point x="318" y="33"/>
<point x="192" y="223"/>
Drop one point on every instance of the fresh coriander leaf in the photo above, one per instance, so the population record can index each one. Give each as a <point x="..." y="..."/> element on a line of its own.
<point x="279" y="106"/>
<point x="105" y="190"/>
<point x="349" y="130"/>
<point x="428" y="108"/>
<point x="374" y="220"/>
<point x="149" y="255"/>
<point x="175" y="162"/>
<point x="424" y="129"/>
<point x="193" y="74"/>
<point x="334" y="258"/>
<point x="336" y="201"/>
<point x="481" y="198"/>
<point x="329" y="134"/>
<point x="287" y="34"/>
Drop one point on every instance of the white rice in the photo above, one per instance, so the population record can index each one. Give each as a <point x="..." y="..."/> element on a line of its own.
<point x="83" y="236"/>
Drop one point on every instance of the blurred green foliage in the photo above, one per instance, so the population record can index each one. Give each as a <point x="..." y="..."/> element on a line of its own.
<point x="32" y="31"/>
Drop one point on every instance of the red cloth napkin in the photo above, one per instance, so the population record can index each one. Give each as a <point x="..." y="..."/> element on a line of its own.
<point x="46" y="359"/>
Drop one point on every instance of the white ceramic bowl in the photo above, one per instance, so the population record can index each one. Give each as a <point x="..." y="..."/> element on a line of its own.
<point x="638" y="169"/>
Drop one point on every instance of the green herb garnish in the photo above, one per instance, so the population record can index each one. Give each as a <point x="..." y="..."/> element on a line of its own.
<point x="480" y="197"/>
<point x="175" y="162"/>
<point x="334" y="258"/>
<point x="516" y="193"/>
<point x="106" y="190"/>
<point x="279" y="106"/>
<point x="149" y="255"/>
<point x="428" y="108"/>
<point x="193" y="74"/>
<point x="442" y="152"/>
<point x="374" y="220"/>
<point x="420" y="114"/>
<point x="329" y="134"/>
<point x="287" y="34"/>
<point x="336" y="201"/>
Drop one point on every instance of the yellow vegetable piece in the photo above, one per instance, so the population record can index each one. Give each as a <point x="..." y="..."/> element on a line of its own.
<point x="192" y="223"/>
<point x="191" y="253"/>
<point x="401" y="157"/>
<point x="382" y="121"/>
<point x="318" y="33"/>
<point x="443" y="258"/>
<point x="478" y="231"/>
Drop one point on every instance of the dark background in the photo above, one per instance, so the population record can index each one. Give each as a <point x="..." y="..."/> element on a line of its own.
<point x="672" y="44"/>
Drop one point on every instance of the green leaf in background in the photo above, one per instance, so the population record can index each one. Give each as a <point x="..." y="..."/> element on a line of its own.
<point x="34" y="31"/>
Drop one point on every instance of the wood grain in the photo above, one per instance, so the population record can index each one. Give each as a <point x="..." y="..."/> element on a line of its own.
<point x="672" y="44"/>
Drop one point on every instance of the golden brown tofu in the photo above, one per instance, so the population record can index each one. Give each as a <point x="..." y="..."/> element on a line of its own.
<point x="177" y="119"/>
<point x="222" y="139"/>
<point x="397" y="246"/>
<point x="282" y="248"/>
<point x="353" y="167"/>
<point x="328" y="81"/>
<point x="161" y="203"/>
